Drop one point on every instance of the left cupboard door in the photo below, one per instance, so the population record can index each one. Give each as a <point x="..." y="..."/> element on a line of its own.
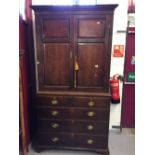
<point x="54" y="57"/>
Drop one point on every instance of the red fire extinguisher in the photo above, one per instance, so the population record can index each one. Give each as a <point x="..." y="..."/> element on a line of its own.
<point x="114" y="89"/>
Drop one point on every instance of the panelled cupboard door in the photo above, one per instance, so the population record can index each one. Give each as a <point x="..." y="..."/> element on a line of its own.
<point x="54" y="70"/>
<point x="92" y="51"/>
<point x="64" y="39"/>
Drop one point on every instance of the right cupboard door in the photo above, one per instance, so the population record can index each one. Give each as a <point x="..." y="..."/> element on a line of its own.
<point x="92" y="52"/>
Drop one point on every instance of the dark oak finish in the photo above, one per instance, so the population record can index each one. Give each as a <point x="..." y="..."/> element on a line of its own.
<point x="90" y="127"/>
<point x="91" y="141"/>
<point x="54" y="113"/>
<point x="91" y="65"/>
<point x="54" y="101"/>
<point x="55" y="139"/>
<point x="55" y="28"/>
<point x="72" y="107"/>
<point x="70" y="126"/>
<point x="96" y="28"/>
<point x="48" y="125"/>
<point x="56" y="64"/>
<point x="91" y="102"/>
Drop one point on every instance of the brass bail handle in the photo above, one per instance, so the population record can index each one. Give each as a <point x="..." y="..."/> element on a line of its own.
<point x="55" y="125"/>
<point x="54" y="101"/>
<point x="55" y="139"/>
<point x="54" y="113"/>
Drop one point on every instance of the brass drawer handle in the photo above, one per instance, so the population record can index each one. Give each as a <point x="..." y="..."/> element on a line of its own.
<point x="55" y="125"/>
<point x="55" y="139"/>
<point x="54" y="113"/>
<point x="90" y="141"/>
<point x="90" y="114"/>
<point x="91" y="103"/>
<point x="90" y="127"/>
<point x="54" y="101"/>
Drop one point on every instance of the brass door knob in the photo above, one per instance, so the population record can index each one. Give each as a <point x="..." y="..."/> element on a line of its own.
<point x="54" y="101"/>
<point x="54" y="113"/>
<point x="90" y="114"/>
<point x="91" y="103"/>
<point x="90" y="141"/>
<point x="55" y="139"/>
<point x="55" y="125"/>
<point x="90" y="127"/>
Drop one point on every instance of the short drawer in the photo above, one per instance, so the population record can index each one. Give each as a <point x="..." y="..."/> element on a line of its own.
<point x="91" y="141"/>
<point x="91" y="114"/>
<point x="97" y="102"/>
<point x="53" y="101"/>
<point x="54" y="126"/>
<point x="90" y="127"/>
<point x="55" y="139"/>
<point x="54" y="113"/>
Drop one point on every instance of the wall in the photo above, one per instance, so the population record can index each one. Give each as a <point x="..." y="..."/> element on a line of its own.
<point x="117" y="64"/>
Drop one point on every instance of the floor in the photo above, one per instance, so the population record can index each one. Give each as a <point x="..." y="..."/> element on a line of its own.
<point x="120" y="143"/>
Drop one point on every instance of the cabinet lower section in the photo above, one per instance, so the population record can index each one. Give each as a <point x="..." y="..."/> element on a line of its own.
<point x="72" y="122"/>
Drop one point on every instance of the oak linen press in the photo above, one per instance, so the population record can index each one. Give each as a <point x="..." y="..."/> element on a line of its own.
<point x="72" y="68"/>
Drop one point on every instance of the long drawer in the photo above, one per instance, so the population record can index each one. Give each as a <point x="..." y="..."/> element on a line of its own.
<point x="88" y="127"/>
<point x="73" y="140"/>
<point x="66" y="101"/>
<point x="73" y="113"/>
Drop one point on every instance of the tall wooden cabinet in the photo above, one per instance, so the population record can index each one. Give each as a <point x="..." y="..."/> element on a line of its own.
<point x="72" y="68"/>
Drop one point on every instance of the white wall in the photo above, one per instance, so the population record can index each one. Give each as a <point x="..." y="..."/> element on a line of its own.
<point x="117" y="64"/>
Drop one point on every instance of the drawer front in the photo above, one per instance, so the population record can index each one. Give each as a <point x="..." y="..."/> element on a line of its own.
<point x="90" y="141"/>
<point x="55" y="139"/>
<point x="53" y="101"/>
<point x="54" y="126"/>
<point x="54" y="113"/>
<point x="97" y="102"/>
<point x="91" y="114"/>
<point x="90" y="127"/>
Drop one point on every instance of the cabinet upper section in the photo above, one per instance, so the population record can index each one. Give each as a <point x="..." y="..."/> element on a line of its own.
<point x="69" y="36"/>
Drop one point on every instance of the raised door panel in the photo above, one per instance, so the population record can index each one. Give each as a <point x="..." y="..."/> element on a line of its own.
<point x="92" y="65"/>
<point x="91" y="28"/>
<point x="56" y="28"/>
<point x="56" y="66"/>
